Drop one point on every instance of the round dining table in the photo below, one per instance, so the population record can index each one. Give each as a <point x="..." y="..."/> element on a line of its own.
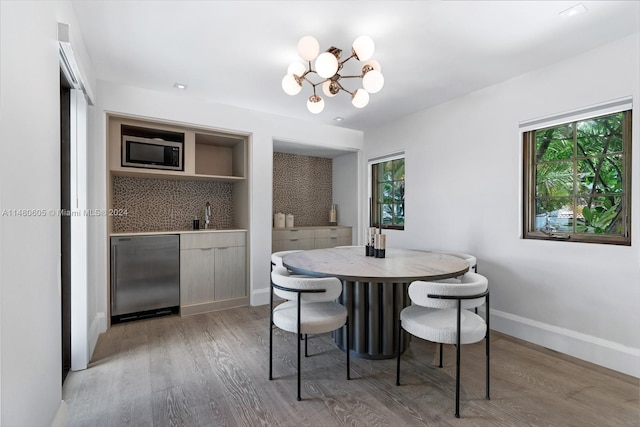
<point x="374" y="290"/>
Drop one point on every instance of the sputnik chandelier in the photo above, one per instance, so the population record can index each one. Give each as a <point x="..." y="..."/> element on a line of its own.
<point x="328" y="66"/>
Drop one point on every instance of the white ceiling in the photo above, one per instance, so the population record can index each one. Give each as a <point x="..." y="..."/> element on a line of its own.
<point x="236" y="52"/>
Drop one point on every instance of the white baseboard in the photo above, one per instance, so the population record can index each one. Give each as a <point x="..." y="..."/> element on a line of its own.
<point x="98" y="326"/>
<point x="596" y="350"/>
<point x="61" y="419"/>
<point x="260" y="297"/>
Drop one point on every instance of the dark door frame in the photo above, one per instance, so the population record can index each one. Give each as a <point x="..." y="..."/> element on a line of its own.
<point x="65" y="221"/>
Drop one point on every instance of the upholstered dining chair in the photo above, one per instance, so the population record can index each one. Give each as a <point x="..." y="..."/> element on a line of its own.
<point x="473" y="262"/>
<point x="276" y="257"/>
<point x="310" y="308"/>
<point x="440" y="313"/>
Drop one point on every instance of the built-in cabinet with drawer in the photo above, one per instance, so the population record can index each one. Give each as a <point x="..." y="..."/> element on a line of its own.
<point x="285" y="239"/>
<point x="213" y="263"/>
<point x="212" y="271"/>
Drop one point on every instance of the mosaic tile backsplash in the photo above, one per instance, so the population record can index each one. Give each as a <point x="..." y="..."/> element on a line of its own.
<point x="302" y="186"/>
<point x="169" y="205"/>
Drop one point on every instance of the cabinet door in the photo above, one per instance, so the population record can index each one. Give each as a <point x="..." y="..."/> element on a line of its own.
<point x="197" y="275"/>
<point x="230" y="273"/>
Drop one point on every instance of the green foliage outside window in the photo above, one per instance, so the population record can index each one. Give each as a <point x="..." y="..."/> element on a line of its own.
<point x="578" y="178"/>
<point x="388" y="193"/>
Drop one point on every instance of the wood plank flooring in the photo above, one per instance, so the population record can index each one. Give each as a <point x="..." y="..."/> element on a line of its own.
<point x="212" y="370"/>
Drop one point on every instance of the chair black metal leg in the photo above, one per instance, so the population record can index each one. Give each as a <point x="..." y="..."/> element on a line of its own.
<point x="440" y="364"/>
<point x="299" y="338"/>
<point x="271" y="336"/>
<point x="399" y="351"/>
<point x="487" y="339"/>
<point x="306" y="350"/>
<point x="348" y="350"/>
<point x="458" y="360"/>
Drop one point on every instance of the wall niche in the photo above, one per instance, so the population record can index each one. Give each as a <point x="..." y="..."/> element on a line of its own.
<point x="302" y="186"/>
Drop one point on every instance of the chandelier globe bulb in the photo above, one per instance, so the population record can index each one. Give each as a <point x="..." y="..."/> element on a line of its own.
<point x="373" y="81"/>
<point x="360" y="98"/>
<point x="296" y="68"/>
<point x="330" y="88"/>
<point x="308" y="48"/>
<point x="315" y="104"/>
<point x="363" y="47"/>
<point x="373" y="64"/>
<point x="326" y="65"/>
<point x="290" y="85"/>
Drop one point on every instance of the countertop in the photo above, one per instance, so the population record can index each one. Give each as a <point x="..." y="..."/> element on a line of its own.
<point x="154" y="233"/>
<point x="312" y="227"/>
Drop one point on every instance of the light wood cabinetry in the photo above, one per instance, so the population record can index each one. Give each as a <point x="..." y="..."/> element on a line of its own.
<point x="284" y="239"/>
<point x="212" y="271"/>
<point x="213" y="264"/>
<point x="332" y="236"/>
<point x="208" y="154"/>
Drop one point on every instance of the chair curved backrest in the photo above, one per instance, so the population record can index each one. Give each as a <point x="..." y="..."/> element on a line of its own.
<point x="469" y="284"/>
<point x="282" y="279"/>
<point x="276" y="257"/>
<point x="473" y="262"/>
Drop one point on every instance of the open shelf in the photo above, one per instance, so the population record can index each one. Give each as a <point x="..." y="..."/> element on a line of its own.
<point x="219" y="155"/>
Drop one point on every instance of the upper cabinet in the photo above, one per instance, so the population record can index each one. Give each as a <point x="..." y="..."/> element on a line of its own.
<point x="219" y="155"/>
<point x="177" y="152"/>
<point x="162" y="175"/>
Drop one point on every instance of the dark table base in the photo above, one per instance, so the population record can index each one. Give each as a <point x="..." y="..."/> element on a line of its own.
<point x="374" y="312"/>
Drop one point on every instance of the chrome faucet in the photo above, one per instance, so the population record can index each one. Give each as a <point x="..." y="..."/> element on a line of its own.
<point x="207" y="215"/>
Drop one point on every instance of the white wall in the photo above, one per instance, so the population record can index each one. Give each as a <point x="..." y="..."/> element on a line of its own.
<point x="30" y="356"/>
<point x="346" y="187"/>
<point x="264" y="128"/>
<point x="463" y="191"/>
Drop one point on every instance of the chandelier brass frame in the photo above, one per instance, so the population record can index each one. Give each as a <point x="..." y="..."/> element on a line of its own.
<point x="328" y="67"/>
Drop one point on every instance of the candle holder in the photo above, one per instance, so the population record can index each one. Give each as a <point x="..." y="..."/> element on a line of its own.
<point x="333" y="215"/>
<point x="370" y="247"/>
<point x="381" y="245"/>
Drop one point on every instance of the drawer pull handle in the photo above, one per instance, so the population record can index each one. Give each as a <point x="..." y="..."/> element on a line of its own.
<point x="205" y="249"/>
<point x="293" y="240"/>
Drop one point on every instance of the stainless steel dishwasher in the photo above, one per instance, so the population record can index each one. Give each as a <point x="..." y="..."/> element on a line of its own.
<point x="145" y="276"/>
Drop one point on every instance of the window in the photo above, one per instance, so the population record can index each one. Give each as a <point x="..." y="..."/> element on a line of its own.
<point x="577" y="179"/>
<point x="387" y="193"/>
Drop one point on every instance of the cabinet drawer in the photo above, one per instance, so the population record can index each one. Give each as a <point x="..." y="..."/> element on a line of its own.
<point x="322" y="233"/>
<point x="211" y="240"/>
<point x="292" y="244"/>
<point x="293" y="233"/>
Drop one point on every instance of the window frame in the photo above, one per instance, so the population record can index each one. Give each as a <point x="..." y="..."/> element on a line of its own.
<point x="528" y="139"/>
<point x="374" y="204"/>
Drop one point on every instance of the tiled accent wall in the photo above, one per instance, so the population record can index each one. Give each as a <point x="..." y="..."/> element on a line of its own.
<point x="170" y="205"/>
<point x="302" y="186"/>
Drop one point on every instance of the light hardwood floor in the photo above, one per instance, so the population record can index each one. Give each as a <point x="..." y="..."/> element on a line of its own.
<point x="211" y="370"/>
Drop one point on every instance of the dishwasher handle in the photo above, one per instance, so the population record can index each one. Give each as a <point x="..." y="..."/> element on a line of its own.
<point x="114" y="278"/>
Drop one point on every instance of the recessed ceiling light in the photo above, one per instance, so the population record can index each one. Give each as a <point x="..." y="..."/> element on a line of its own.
<point x="338" y="119"/>
<point x="573" y="11"/>
<point x="180" y="86"/>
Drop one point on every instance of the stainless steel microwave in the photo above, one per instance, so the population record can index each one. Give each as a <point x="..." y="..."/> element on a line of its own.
<point x="138" y="152"/>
